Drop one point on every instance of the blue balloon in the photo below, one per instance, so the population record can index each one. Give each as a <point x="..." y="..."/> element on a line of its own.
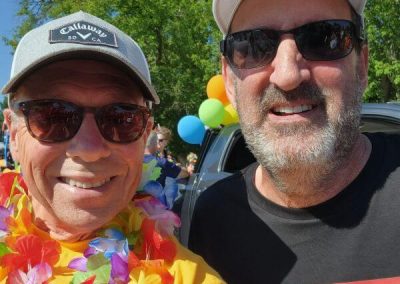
<point x="191" y="129"/>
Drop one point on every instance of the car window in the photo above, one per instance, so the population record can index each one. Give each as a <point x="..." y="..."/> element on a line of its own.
<point x="238" y="156"/>
<point x="205" y="145"/>
<point x="379" y="125"/>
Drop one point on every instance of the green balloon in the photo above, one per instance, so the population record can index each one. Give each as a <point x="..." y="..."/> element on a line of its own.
<point x="211" y="112"/>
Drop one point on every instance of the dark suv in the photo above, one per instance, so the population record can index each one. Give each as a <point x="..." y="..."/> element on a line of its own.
<point x="224" y="152"/>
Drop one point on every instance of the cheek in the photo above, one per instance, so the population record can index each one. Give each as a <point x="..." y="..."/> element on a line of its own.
<point x="252" y="81"/>
<point x="329" y="77"/>
<point x="335" y="75"/>
<point x="248" y="93"/>
<point x="339" y="82"/>
<point x="132" y="157"/>
<point x="39" y="164"/>
<point x="33" y="154"/>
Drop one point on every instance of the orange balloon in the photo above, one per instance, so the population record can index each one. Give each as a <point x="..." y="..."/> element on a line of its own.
<point x="216" y="89"/>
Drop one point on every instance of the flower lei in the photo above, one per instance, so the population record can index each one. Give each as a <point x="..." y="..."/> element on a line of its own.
<point x="134" y="247"/>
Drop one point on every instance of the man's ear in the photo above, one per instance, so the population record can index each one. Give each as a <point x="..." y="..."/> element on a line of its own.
<point x="227" y="74"/>
<point x="12" y="127"/>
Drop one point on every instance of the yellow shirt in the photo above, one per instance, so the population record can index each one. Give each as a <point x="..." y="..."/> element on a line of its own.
<point x="185" y="268"/>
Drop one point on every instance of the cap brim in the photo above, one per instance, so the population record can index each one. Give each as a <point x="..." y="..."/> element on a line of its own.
<point x="148" y="90"/>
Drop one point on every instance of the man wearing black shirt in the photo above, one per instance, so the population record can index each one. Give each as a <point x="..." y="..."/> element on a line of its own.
<point x="319" y="204"/>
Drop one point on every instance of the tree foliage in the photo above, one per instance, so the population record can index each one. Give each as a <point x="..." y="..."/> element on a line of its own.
<point x="180" y="40"/>
<point x="383" y="28"/>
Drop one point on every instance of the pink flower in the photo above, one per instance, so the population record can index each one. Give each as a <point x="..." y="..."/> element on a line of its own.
<point x="4" y="215"/>
<point x="37" y="275"/>
<point x="165" y="219"/>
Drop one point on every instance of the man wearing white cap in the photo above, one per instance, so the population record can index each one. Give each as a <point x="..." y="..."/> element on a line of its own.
<point x="321" y="203"/>
<point x="80" y="100"/>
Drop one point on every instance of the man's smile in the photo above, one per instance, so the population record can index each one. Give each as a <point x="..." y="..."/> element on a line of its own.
<point x="85" y="184"/>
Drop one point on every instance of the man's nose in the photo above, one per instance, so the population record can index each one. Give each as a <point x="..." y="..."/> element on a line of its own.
<point x="289" y="68"/>
<point x="88" y="144"/>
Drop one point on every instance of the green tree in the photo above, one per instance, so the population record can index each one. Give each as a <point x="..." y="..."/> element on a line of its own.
<point x="179" y="38"/>
<point x="383" y="29"/>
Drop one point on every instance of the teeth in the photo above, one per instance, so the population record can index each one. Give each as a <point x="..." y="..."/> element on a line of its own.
<point x="75" y="183"/>
<point x="291" y="110"/>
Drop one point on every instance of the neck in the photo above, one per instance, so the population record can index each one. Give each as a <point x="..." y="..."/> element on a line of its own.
<point x="307" y="186"/>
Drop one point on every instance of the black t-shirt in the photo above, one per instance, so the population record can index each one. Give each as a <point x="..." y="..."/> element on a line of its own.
<point x="353" y="236"/>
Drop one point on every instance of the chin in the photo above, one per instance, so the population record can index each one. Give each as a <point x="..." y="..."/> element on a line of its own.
<point x="85" y="222"/>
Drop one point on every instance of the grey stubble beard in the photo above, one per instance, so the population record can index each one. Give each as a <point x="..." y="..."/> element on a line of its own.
<point x="296" y="166"/>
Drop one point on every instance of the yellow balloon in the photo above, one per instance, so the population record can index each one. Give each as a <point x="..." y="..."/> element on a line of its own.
<point x="216" y="89"/>
<point x="231" y="116"/>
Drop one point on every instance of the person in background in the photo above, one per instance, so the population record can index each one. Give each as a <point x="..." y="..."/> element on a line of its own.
<point x="172" y="185"/>
<point x="160" y="169"/>
<point x="191" y="161"/>
<point x="320" y="203"/>
<point x="81" y="98"/>
<point x="164" y="136"/>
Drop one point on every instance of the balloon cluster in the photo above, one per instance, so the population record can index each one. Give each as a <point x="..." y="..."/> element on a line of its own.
<point x="213" y="112"/>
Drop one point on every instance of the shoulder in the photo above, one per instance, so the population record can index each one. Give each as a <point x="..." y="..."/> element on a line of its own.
<point x="383" y="167"/>
<point x="191" y="268"/>
<point x="386" y="145"/>
<point x="230" y="190"/>
<point x="388" y="139"/>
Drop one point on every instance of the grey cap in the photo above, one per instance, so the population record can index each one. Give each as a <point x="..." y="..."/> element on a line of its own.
<point x="80" y="36"/>
<point x="224" y="10"/>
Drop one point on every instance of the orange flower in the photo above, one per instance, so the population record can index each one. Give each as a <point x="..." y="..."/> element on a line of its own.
<point x="6" y="182"/>
<point x="133" y="261"/>
<point x="154" y="245"/>
<point x="20" y="225"/>
<point x="31" y="250"/>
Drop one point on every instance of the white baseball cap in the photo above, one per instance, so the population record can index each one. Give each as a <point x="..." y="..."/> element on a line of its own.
<point x="80" y="36"/>
<point x="224" y="10"/>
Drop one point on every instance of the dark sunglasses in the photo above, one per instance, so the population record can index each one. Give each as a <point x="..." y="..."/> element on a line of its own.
<point x="317" y="41"/>
<point x="57" y="121"/>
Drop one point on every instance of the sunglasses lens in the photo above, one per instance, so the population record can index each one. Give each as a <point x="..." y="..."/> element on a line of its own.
<point x="251" y="49"/>
<point x="52" y="121"/>
<point x="122" y="123"/>
<point x="327" y="40"/>
<point x="318" y="41"/>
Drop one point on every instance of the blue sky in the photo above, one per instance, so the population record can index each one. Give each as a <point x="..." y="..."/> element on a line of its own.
<point x="8" y="23"/>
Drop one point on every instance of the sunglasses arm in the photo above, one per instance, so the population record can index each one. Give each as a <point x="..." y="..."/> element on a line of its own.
<point x="360" y="31"/>
<point x="222" y="46"/>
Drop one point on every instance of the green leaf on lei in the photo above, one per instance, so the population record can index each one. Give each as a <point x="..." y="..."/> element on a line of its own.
<point x="133" y="238"/>
<point x="97" y="265"/>
<point x="4" y="249"/>
<point x="156" y="173"/>
<point x="150" y="171"/>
